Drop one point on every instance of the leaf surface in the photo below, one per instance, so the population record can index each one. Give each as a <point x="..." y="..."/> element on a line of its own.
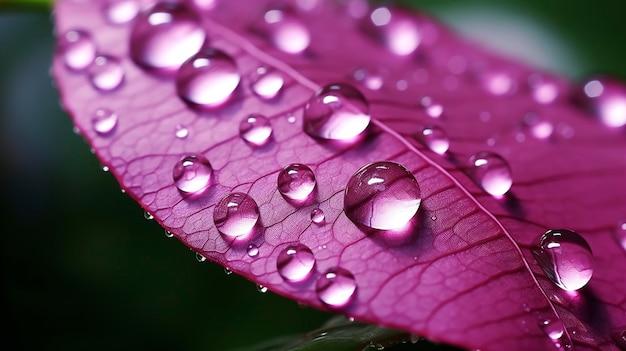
<point x="463" y="272"/>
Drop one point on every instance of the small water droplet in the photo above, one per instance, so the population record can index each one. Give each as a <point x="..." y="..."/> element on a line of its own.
<point x="382" y="195"/>
<point x="491" y="172"/>
<point x="253" y="250"/>
<point x="525" y="307"/>
<point x="105" y="168"/>
<point x="181" y="132"/>
<point x="200" y="258"/>
<point x="106" y="73"/>
<point x="168" y="234"/>
<point x="620" y="234"/>
<point x="291" y="119"/>
<point x="120" y="11"/>
<point x="606" y="98"/>
<point x="619" y="336"/>
<point x="396" y="29"/>
<point x="147" y="215"/>
<point x="543" y="90"/>
<point x="317" y="216"/>
<point x="296" y="182"/>
<point x="235" y="215"/>
<point x="431" y="108"/>
<point x="204" y="5"/>
<point x="261" y="288"/>
<point x="295" y="263"/>
<point x="192" y="174"/>
<point x="336" y="112"/>
<point x="436" y="139"/>
<point x="165" y="36"/>
<point x="498" y="82"/>
<point x="208" y="79"/>
<point x="368" y="79"/>
<point x="286" y="31"/>
<point x="336" y="288"/>
<point x="104" y="121"/>
<point x="77" y="48"/>
<point x="227" y="271"/>
<point x="565" y="257"/>
<point x="555" y="330"/>
<point x="539" y="128"/>
<point x="267" y="84"/>
<point x="255" y="129"/>
<point x="433" y="218"/>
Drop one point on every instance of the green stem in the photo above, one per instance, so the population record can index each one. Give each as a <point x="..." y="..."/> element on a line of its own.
<point x="35" y="5"/>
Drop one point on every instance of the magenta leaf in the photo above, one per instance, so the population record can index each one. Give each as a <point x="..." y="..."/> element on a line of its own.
<point x="363" y="160"/>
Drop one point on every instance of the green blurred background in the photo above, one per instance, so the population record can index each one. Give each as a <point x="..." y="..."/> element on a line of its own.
<point x="81" y="267"/>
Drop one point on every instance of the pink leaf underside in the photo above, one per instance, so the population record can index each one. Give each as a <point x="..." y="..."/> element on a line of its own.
<point x="466" y="275"/>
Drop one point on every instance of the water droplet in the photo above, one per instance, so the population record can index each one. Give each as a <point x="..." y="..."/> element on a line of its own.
<point x="296" y="182"/>
<point x="565" y="257"/>
<point x="436" y="139"/>
<point x="336" y="112"/>
<point x="336" y="288"/>
<point x="200" y="258"/>
<point x="291" y="119"/>
<point x="104" y="121"/>
<point x="181" y="132"/>
<point x="539" y="128"/>
<point x="255" y="129"/>
<point x="227" y="271"/>
<point x="106" y="73"/>
<point x="543" y="90"/>
<point x="317" y="216"/>
<point x="267" y="84"/>
<point x="498" y="82"/>
<point x="396" y="29"/>
<point x="619" y="336"/>
<point x="286" y="31"/>
<point x="431" y="108"/>
<point x="168" y="234"/>
<point x="295" y="263"/>
<point x="147" y="215"/>
<point x="433" y="218"/>
<point x="204" y="5"/>
<point x="120" y="11"/>
<point x="208" y="79"/>
<point x="192" y="174"/>
<point x="235" y="215"/>
<point x="253" y="250"/>
<point x="382" y="195"/>
<point x="165" y="36"/>
<point x="606" y="98"/>
<point x="491" y="172"/>
<point x="370" y="80"/>
<point x="620" y="234"/>
<point x="77" y="48"/>
<point x="261" y="288"/>
<point x="525" y="307"/>
<point x="555" y="330"/>
<point x="105" y="168"/>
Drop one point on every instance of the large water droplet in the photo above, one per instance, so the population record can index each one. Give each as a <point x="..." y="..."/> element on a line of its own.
<point x="336" y="112"/>
<point x="120" y="11"/>
<point x="295" y="263"/>
<point x="286" y="31"/>
<point x="436" y="139"/>
<point x="296" y="182"/>
<point x="106" y="73"/>
<point x="192" y="174"/>
<point x="267" y="84"/>
<point x="255" y="129"/>
<point x="555" y="330"/>
<point x="77" y="48"/>
<point x="382" y="195"/>
<point x="491" y="172"/>
<point x="104" y="121"/>
<point x="565" y="257"/>
<point x="165" y="36"/>
<point x="317" y="216"/>
<point x="620" y="234"/>
<point x="606" y="98"/>
<point x="396" y="29"/>
<point x="235" y="215"/>
<point x="208" y="79"/>
<point x="336" y="288"/>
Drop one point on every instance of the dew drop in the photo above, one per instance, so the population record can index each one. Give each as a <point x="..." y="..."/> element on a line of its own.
<point x="555" y="330"/>
<point x="253" y="250"/>
<point x="105" y="168"/>
<point x="77" y="48"/>
<point x="336" y="112"/>
<point x="261" y="288"/>
<point x="317" y="216"/>
<point x="192" y="174"/>
<point x="165" y="36"/>
<point x="204" y="5"/>
<point x="606" y="98"/>
<point x="168" y="234"/>
<point x="382" y="195"/>
<point x="539" y="128"/>
<point x="147" y="215"/>
<point x="255" y="129"/>
<point x="227" y="271"/>
<point x="336" y="288"/>
<point x="431" y="108"/>
<point x="208" y="79"/>
<point x="619" y="336"/>
<point x="120" y="11"/>
<point x="181" y="131"/>
<point x="542" y="90"/>
<point x="286" y="31"/>
<point x="267" y="84"/>
<point x="296" y="182"/>
<point x="235" y="215"/>
<point x="491" y="172"/>
<point x="436" y="139"/>
<point x="104" y="121"/>
<point x="106" y="73"/>
<point x="397" y="30"/>
<point x="620" y="234"/>
<point x="200" y="258"/>
<point x="295" y="263"/>
<point x="498" y="83"/>
<point x="565" y="257"/>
